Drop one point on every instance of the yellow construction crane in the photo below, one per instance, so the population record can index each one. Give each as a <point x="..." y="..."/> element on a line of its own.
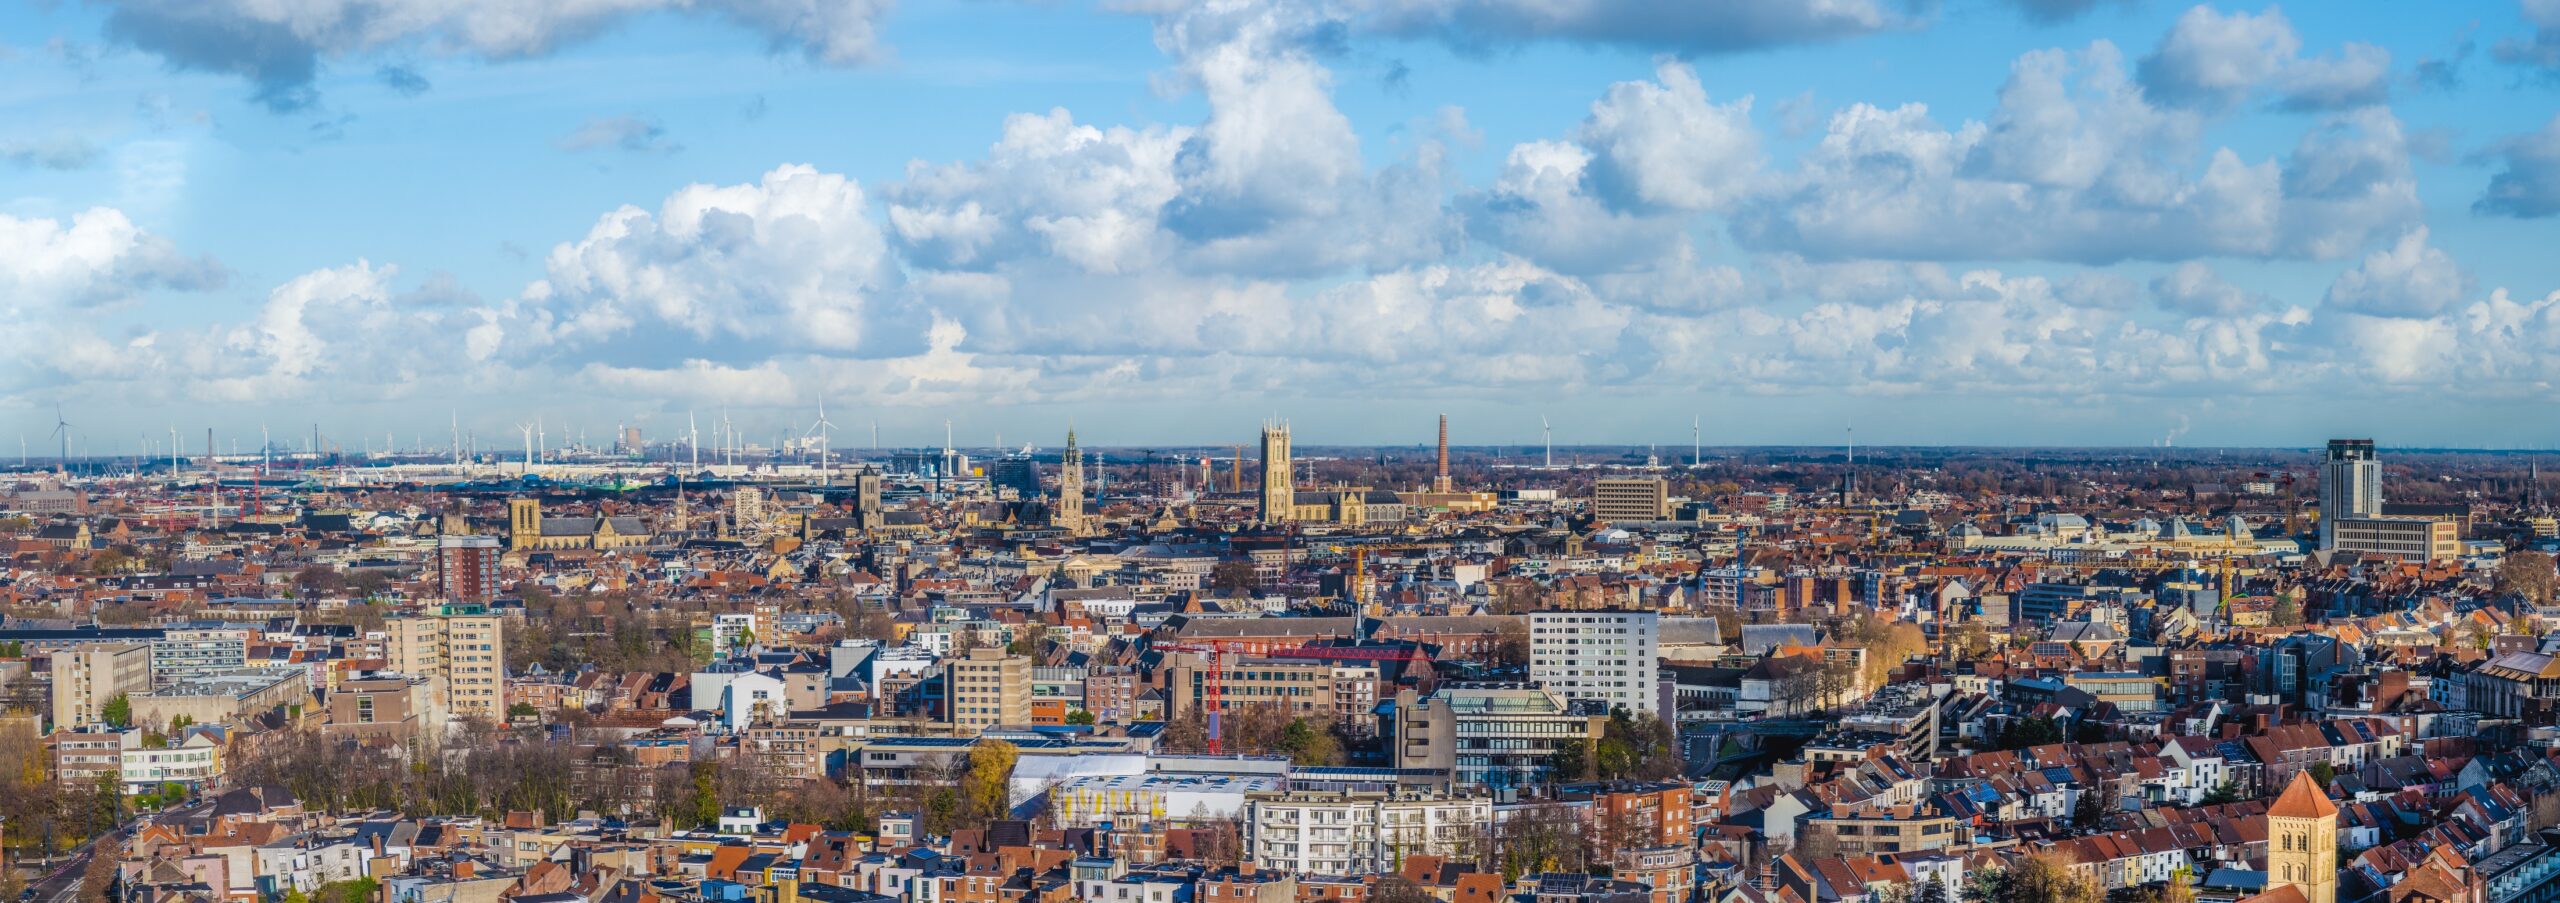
<point x="1360" y="595"/>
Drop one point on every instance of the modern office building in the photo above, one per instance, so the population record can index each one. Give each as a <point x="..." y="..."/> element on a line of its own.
<point x="1610" y="656"/>
<point x="2350" y="486"/>
<point x="1495" y="736"/>
<point x="460" y="650"/>
<point x="467" y="567"/>
<point x="989" y="687"/>
<point x="1628" y="499"/>
<point x="2408" y="538"/>
<point x="1016" y="472"/>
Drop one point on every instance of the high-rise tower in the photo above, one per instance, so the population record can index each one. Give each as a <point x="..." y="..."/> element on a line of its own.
<point x="1441" y="483"/>
<point x="2350" y="486"/>
<point x="1279" y="494"/>
<point x="1068" y="514"/>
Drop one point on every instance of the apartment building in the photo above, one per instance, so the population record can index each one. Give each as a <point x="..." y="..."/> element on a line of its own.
<point x="87" y="676"/>
<point x="467" y="567"/>
<point x="186" y="653"/>
<point x="1359" y="833"/>
<point x="989" y="687"/>
<point x="386" y="707"/>
<point x="461" y="651"/>
<point x="1610" y="656"/>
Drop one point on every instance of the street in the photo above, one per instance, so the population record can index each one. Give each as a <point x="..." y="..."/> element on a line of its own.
<point x="62" y="885"/>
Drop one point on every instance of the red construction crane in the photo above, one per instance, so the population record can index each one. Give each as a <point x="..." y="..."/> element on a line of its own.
<point x="1212" y="680"/>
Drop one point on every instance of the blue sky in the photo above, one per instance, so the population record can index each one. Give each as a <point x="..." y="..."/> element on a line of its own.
<point x="1975" y="221"/>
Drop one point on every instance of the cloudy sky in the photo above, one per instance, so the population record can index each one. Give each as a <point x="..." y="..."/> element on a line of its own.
<point x="1961" y="221"/>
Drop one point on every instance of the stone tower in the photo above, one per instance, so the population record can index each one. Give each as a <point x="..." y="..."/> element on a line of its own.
<point x="2302" y="841"/>
<point x="1068" y="515"/>
<point x="524" y="523"/>
<point x="1279" y="495"/>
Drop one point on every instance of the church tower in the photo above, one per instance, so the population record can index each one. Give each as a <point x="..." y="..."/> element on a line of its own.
<point x="1069" y="513"/>
<point x="2302" y="841"/>
<point x="524" y="523"/>
<point x="1279" y="493"/>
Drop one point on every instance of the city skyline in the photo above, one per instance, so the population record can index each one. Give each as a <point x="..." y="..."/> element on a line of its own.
<point x="2036" y="223"/>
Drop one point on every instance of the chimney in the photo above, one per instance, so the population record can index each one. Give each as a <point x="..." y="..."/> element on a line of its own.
<point x="1441" y="484"/>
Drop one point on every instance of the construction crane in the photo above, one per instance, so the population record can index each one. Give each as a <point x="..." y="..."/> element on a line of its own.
<point x="1361" y="598"/>
<point x="1212" y="680"/>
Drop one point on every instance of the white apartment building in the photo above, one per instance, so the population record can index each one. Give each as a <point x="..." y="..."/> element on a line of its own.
<point x="1359" y="833"/>
<point x="1610" y="656"/>
<point x="196" y="762"/>
<point x="186" y="653"/>
<point x="462" y="654"/>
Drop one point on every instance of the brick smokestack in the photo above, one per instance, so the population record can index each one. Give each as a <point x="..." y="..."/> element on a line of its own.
<point x="1442" y="483"/>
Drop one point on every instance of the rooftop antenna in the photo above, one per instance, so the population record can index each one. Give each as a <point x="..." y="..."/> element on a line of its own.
<point x="1849" y="476"/>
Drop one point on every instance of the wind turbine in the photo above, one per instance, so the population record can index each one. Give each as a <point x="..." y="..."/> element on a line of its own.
<point x="1695" y="425"/>
<point x="821" y="428"/>
<point x="1548" y="433"/>
<point x="692" y="443"/>
<point x="527" y="430"/>
<point x="62" y="431"/>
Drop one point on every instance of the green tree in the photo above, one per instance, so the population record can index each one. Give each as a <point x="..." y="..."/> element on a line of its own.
<point x="1308" y="743"/>
<point x="2288" y="610"/>
<point x="1027" y="641"/>
<point x="2323" y="773"/>
<point x="2229" y="792"/>
<point x="117" y="711"/>
<point x="1080" y="716"/>
<point x="1571" y="762"/>
<point x="2026" y="732"/>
